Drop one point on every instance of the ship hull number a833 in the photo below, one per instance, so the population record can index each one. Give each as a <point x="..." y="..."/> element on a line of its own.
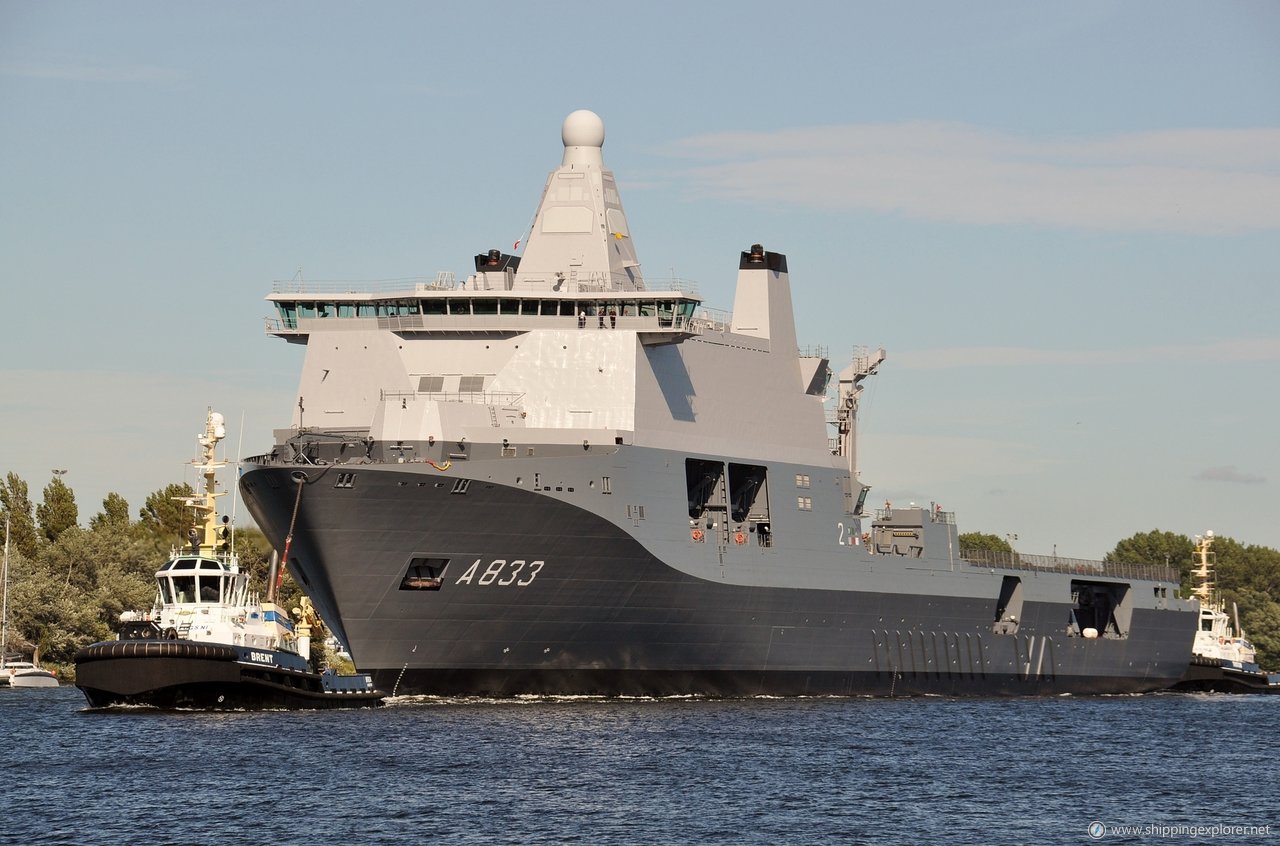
<point x="501" y="572"/>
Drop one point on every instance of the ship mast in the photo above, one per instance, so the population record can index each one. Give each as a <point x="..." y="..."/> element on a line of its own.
<point x="1203" y="570"/>
<point x="205" y="534"/>
<point x="4" y="614"/>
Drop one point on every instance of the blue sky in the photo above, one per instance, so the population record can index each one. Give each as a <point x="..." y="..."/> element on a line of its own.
<point x="1062" y="221"/>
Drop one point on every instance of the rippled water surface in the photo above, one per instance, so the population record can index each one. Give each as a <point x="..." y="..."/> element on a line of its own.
<point x="767" y="771"/>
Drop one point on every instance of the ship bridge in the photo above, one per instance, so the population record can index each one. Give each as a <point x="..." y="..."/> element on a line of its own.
<point x="660" y="316"/>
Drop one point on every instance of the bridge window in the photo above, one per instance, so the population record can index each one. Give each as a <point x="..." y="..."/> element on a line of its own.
<point x="288" y="314"/>
<point x="459" y="306"/>
<point x="485" y="307"/>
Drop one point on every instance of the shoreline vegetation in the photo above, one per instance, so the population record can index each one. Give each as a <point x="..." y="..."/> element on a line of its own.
<point x="68" y="583"/>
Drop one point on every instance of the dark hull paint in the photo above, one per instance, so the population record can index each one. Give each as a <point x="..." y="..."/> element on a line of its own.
<point x="182" y="674"/>
<point x="606" y="617"/>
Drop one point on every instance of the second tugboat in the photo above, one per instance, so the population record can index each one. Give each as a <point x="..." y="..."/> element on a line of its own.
<point x="208" y="643"/>
<point x="1222" y="659"/>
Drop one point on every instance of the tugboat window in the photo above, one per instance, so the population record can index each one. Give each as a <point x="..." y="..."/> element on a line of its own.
<point x="209" y="587"/>
<point x="185" y="588"/>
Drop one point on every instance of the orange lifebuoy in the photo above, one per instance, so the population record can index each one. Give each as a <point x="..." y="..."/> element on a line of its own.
<point x="740" y="538"/>
<point x="697" y="535"/>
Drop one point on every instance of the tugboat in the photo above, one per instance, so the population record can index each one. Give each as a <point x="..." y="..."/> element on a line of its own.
<point x="208" y="642"/>
<point x="1222" y="659"/>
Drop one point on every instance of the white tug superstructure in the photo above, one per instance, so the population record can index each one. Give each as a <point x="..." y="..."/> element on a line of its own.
<point x="202" y="595"/>
<point x="1216" y="638"/>
<point x="1222" y="660"/>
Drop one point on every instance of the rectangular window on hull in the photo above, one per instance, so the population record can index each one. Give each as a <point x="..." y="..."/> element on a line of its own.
<point x="424" y="574"/>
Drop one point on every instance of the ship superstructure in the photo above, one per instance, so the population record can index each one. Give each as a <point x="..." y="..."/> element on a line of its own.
<point x="556" y="476"/>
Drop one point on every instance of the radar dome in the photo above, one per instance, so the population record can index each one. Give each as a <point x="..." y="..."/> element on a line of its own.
<point x="583" y="128"/>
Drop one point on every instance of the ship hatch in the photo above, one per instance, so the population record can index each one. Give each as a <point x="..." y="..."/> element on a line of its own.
<point x="424" y="574"/>
<point x="747" y="492"/>
<point x="1008" y="607"/>
<point x="705" y="482"/>
<point x="1103" y="607"/>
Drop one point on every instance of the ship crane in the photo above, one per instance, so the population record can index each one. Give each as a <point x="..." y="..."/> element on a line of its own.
<point x="865" y="363"/>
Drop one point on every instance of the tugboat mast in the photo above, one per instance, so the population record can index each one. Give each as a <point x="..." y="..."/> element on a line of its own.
<point x="206" y="536"/>
<point x="1203" y="570"/>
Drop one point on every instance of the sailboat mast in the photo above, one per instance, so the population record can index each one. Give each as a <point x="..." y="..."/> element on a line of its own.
<point x="4" y="614"/>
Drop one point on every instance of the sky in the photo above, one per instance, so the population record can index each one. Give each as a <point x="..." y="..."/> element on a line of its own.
<point x="1062" y="221"/>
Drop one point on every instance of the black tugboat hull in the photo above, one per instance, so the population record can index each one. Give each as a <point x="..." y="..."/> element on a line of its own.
<point x="1206" y="675"/>
<point x="185" y="674"/>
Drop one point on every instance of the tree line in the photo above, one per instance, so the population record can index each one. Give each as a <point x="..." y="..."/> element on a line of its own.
<point x="68" y="583"/>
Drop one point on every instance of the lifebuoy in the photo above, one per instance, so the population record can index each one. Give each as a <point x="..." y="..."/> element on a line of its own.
<point x="740" y="538"/>
<point x="697" y="535"/>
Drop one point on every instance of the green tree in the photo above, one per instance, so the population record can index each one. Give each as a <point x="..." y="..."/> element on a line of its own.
<point x="73" y="593"/>
<point x="17" y="507"/>
<point x="165" y="518"/>
<point x="114" y="513"/>
<point x="979" y="540"/>
<point x="58" y="511"/>
<point x="1156" y="548"/>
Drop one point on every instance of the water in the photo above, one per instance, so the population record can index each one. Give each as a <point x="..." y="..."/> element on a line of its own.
<point x="763" y="771"/>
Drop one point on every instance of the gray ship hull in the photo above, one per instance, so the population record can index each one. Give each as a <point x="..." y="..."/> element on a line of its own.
<point x="463" y="583"/>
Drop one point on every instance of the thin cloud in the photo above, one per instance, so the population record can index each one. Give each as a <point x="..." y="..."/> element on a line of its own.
<point x="1222" y="352"/>
<point x="75" y="72"/>
<point x="1228" y="474"/>
<point x="1193" y="181"/>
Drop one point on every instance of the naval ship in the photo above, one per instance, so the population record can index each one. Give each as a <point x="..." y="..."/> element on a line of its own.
<point x="557" y="477"/>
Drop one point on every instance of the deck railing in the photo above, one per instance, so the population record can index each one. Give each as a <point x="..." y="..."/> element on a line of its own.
<point x="1062" y="564"/>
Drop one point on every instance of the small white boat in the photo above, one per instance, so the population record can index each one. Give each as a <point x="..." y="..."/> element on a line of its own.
<point x="18" y="673"/>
